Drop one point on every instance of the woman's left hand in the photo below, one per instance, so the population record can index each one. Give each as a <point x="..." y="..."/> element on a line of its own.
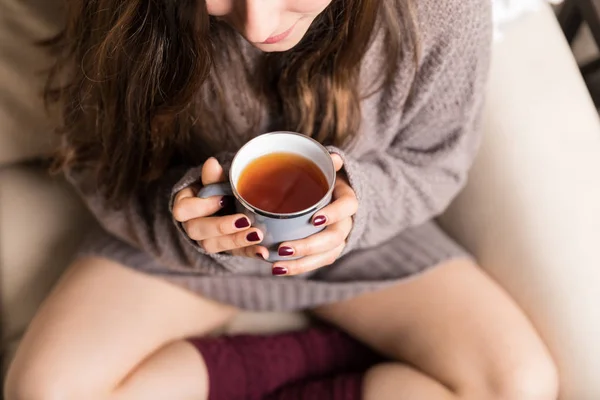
<point x="325" y="247"/>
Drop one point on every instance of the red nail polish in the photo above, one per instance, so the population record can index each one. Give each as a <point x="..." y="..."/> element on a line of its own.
<point x="285" y="251"/>
<point x="319" y="220"/>
<point x="242" y="223"/>
<point x="278" y="271"/>
<point x="253" y="237"/>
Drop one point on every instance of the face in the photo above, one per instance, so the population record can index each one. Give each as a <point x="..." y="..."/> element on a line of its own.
<point x="270" y="25"/>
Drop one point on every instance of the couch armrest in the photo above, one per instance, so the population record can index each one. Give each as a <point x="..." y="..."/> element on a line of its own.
<point x="531" y="212"/>
<point x="25" y="128"/>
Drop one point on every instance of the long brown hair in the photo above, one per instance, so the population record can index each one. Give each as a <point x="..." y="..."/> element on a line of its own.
<point x="137" y="80"/>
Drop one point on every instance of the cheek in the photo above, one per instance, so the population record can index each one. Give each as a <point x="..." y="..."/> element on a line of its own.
<point x="219" y="8"/>
<point x="309" y="7"/>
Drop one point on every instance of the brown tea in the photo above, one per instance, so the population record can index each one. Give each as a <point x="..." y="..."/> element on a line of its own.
<point x="282" y="183"/>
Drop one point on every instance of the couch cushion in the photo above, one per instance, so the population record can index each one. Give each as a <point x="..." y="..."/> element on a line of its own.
<point x="24" y="126"/>
<point x="531" y="211"/>
<point x="41" y="223"/>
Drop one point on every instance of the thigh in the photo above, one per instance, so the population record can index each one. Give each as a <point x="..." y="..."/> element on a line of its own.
<point x="101" y="320"/>
<point x="453" y="323"/>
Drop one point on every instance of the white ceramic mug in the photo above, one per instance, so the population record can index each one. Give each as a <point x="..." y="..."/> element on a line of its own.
<point x="277" y="228"/>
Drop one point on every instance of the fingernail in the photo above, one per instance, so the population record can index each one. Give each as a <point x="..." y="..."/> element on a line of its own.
<point x="259" y="255"/>
<point x="278" y="271"/>
<point x="242" y="223"/>
<point x="253" y="237"/>
<point x="286" y="251"/>
<point x="319" y="220"/>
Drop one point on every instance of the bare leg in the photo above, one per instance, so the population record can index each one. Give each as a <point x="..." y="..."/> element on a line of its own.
<point x="455" y="335"/>
<point x="109" y="332"/>
<point x="174" y="372"/>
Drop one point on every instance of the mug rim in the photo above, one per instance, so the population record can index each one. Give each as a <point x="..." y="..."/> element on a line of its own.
<point x="265" y="213"/>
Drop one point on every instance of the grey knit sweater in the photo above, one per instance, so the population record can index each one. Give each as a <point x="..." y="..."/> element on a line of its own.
<point x="411" y="158"/>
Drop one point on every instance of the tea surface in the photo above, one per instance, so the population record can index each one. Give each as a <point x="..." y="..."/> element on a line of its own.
<point x="282" y="183"/>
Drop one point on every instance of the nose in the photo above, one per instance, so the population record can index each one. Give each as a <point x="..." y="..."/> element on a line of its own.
<point x="261" y="20"/>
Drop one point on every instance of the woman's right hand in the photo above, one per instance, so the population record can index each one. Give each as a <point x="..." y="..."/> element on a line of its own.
<point x="214" y="234"/>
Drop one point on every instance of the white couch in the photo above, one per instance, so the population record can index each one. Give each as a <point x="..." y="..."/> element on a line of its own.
<point x="531" y="212"/>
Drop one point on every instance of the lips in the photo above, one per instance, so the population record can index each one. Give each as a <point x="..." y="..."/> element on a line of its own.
<point x="278" y="38"/>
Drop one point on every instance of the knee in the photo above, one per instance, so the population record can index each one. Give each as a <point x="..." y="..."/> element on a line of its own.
<point x="20" y="385"/>
<point x="28" y="384"/>
<point x="535" y="378"/>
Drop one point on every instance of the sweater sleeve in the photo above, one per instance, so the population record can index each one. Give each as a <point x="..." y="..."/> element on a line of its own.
<point x="414" y="178"/>
<point x="145" y="220"/>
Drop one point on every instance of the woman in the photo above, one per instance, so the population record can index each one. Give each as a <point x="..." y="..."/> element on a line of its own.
<point x="151" y="90"/>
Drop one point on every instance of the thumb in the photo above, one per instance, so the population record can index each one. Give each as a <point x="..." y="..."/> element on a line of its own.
<point x="338" y="163"/>
<point x="212" y="172"/>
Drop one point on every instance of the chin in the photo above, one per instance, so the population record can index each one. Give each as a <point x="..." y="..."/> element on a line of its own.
<point x="284" y="45"/>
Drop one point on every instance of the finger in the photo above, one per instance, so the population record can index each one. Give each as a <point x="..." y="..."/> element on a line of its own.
<point x="230" y="242"/>
<point x="321" y="242"/>
<point x="212" y="172"/>
<point x="338" y="163"/>
<point x="343" y="206"/>
<point x="189" y="208"/>
<point x="258" y="252"/>
<point x="184" y="194"/>
<point x="306" y="264"/>
<point x="214" y="227"/>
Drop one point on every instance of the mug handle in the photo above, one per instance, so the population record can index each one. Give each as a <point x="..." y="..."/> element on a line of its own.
<point x="215" y="189"/>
